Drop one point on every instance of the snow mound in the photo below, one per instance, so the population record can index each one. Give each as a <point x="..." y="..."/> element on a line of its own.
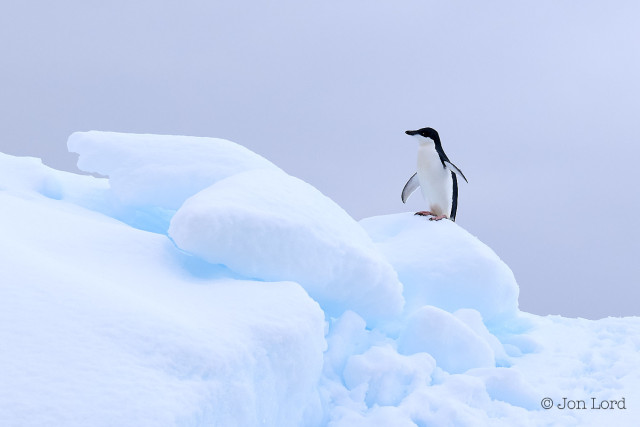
<point x="455" y="346"/>
<point x="102" y="324"/>
<point x="508" y="385"/>
<point x="473" y="320"/>
<point x="268" y="225"/>
<point x="442" y="265"/>
<point x="366" y="382"/>
<point x="160" y="170"/>
<point x="385" y="377"/>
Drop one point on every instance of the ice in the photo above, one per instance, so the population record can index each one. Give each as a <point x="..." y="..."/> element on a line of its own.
<point x="160" y="170"/>
<point x="386" y="377"/>
<point x="150" y="176"/>
<point x="473" y="320"/>
<point x="27" y="175"/>
<point x="441" y="264"/>
<point x="103" y="324"/>
<point x="271" y="306"/>
<point x="268" y="225"/>
<point x="455" y="346"/>
<point x="508" y="385"/>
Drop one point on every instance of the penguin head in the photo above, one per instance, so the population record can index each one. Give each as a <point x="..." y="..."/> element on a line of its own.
<point x="425" y="134"/>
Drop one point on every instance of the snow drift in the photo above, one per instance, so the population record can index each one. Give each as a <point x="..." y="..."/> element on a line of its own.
<point x="268" y="225"/>
<point x="104" y="324"/>
<point x="160" y="170"/>
<point x="201" y="285"/>
<point x="441" y="264"/>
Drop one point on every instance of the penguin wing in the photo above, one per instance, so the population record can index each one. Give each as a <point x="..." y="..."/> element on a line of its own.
<point x="410" y="187"/>
<point x="453" y="168"/>
<point x="454" y="197"/>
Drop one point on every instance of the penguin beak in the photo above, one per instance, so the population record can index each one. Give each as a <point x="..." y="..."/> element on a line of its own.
<point x="411" y="132"/>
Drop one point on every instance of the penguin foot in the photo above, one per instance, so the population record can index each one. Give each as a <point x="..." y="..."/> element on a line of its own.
<point x="437" y="218"/>
<point x="424" y="213"/>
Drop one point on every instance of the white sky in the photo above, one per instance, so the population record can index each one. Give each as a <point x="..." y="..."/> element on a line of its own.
<point x="537" y="103"/>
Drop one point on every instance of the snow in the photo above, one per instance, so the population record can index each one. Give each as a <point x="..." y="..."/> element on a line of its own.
<point x="455" y="346"/>
<point x="104" y="324"/>
<point x="139" y="165"/>
<point x="268" y="225"/>
<point x="386" y="377"/>
<point x="150" y="176"/>
<point x="200" y="285"/>
<point x="441" y="264"/>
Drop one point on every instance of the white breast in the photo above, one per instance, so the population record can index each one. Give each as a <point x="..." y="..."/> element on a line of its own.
<point x="435" y="180"/>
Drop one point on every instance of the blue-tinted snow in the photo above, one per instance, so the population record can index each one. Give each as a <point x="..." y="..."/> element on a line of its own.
<point x="103" y="323"/>
<point x="269" y="225"/>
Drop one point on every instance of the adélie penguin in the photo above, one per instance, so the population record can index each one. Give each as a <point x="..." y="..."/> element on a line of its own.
<point x="436" y="177"/>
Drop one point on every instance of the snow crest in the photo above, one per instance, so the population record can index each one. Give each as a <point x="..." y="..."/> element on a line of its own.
<point x="441" y="264"/>
<point x="160" y="170"/>
<point x="268" y="225"/>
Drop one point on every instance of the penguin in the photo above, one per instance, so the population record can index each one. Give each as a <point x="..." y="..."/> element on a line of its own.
<point x="436" y="177"/>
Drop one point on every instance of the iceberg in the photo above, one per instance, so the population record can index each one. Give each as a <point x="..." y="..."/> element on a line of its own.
<point x="195" y="283"/>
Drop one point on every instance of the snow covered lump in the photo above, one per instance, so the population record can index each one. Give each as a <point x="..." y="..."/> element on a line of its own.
<point x="255" y="219"/>
<point x="160" y="170"/>
<point x="441" y="264"/>
<point x="100" y="324"/>
<point x="268" y="225"/>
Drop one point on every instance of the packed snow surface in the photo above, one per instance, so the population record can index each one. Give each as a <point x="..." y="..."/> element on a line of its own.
<point x="160" y="170"/>
<point x="199" y="284"/>
<point x="441" y="264"/>
<point x="271" y="226"/>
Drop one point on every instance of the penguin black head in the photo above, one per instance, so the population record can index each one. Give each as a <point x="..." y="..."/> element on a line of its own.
<point x="425" y="133"/>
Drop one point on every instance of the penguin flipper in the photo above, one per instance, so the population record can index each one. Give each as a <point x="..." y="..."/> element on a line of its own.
<point x="410" y="187"/>
<point x="453" y="168"/>
<point x="454" y="198"/>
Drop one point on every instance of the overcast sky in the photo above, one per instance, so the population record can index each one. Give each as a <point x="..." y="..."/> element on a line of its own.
<point x="536" y="102"/>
